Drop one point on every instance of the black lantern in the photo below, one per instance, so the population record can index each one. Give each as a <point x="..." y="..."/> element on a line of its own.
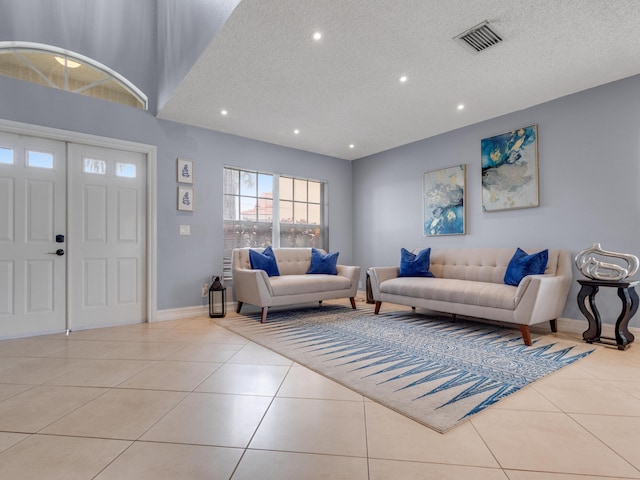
<point x="217" y="298"/>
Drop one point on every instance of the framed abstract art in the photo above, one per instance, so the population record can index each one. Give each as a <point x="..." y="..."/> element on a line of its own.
<point x="510" y="170"/>
<point x="444" y="201"/>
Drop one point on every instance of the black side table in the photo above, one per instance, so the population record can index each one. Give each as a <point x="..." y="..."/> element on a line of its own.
<point x="629" y="297"/>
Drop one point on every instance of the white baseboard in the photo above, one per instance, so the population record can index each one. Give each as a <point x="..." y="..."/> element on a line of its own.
<point x="571" y="325"/>
<point x="179" y="313"/>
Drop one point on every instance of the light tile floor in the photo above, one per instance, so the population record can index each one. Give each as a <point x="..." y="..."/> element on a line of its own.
<point x="188" y="399"/>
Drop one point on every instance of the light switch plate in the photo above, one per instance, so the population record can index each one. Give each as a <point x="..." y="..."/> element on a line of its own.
<point x="185" y="229"/>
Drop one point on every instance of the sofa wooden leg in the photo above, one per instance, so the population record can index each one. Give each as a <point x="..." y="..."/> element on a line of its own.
<point x="526" y="334"/>
<point x="413" y="309"/>
<point x="377" y="309"/>
<point x="263" y="318"/>
<point x="554" y="325"/>
<point x="453" y="317"/>
<point x="320" y="303"/>
<point x="353" y="302"/>
<point x="238" y="307"/>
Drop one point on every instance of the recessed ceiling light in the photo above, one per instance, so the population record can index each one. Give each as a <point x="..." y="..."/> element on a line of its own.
<point x="317" y="36"/>
<point x="223" y="112"/>
<point x="296" y="131"/>
<point x="461" y="106"/>
<point x="352" y="146"/>
<point x="403" y="78"/>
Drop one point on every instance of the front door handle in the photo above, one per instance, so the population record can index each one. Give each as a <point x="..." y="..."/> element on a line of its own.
<point x="58" y="252"/>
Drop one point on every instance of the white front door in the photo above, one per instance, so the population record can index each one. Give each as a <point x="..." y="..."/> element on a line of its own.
<point x="32" y="215"/>
<point x="107" y="237"/>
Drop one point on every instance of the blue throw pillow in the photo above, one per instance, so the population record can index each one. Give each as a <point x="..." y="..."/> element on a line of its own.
<point x="327" y="264"/>
<point x="522" y="264"/>
<point x="264" y="261"/>
<point x="412" y="265"/>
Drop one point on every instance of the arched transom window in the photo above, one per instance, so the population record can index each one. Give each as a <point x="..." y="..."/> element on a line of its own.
<point x="65" y="70"/>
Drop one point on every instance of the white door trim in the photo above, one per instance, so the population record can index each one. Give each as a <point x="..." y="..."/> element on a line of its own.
<point x="151" y="152"/>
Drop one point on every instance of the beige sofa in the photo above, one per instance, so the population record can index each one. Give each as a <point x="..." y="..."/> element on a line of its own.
<point x="294" y="285"/>
<point x="469" y="281"/>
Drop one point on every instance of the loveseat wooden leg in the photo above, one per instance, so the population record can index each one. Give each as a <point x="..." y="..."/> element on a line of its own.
<point x="554" y="325"/>
<point x="353" y="302"/>
<point x="263" y="318"/>
<point x="238" y="307"/>
<point x="526" y="334"/>
<point x="377" y="309"/>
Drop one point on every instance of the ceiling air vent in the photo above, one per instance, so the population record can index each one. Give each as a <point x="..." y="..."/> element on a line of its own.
<point x="480" y="37"/>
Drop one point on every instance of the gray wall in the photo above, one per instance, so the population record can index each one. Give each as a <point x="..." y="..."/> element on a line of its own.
<point x="184" y="263"/>
<point x="589" y="161"/>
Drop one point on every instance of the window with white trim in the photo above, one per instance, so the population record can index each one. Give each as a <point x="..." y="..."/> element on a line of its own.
<point x="262" y="209"/>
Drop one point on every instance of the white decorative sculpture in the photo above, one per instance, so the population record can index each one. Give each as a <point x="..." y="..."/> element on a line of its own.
<point x="597" y="270"/>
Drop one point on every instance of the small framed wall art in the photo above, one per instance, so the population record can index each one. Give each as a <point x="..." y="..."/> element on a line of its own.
<point x="185" y="198"/>
<point x="444" y="201"/>
<point x="510" y="170"/>
<point x="185" y="171"/>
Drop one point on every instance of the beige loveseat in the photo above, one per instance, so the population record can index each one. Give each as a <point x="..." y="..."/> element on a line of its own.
<point x="469" y="282"/>
<point x="293" y="285"/>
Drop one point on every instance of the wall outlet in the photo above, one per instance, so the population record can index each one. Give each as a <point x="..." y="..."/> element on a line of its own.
<point x="205" y="290"/>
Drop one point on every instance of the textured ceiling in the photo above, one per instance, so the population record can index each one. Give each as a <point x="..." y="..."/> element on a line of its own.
<point x="265" y="69"/>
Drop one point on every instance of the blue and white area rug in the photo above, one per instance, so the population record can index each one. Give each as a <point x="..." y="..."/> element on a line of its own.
<point x="428" y="368"/>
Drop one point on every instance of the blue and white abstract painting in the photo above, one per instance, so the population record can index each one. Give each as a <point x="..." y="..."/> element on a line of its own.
<point x="510" y="170"/>
<point x="444" y="192"/>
